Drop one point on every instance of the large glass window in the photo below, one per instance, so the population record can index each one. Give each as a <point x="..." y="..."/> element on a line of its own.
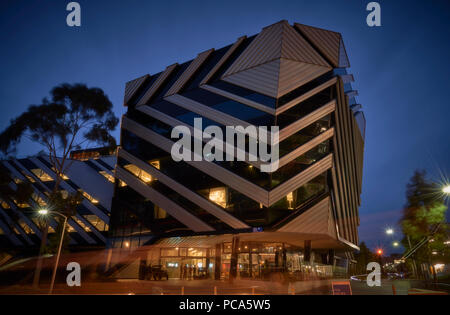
<point x="306" y="107"/>
<point x="98" y="223"/>
<point x="88" y="196"/>
<point x="215" y="191"/>
<point x="230" y="107"/>
<point x="244" y="169"/>
<point x="303" y="136"/>
<point x="305" y="88"/>
<point x="246" y="93"/>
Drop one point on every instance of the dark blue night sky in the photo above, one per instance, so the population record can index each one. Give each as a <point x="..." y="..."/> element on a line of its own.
<point x="401" y="69"/>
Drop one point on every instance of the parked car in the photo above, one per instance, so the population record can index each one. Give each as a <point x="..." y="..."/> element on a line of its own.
<point x="156" y="272"/>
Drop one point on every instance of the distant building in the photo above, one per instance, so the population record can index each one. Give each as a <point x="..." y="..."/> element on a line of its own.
<point x="93" y="177"/>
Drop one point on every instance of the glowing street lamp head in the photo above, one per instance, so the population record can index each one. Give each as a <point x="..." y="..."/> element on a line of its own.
<point x="380" y="252"/>
<point x="43" y="212"/>
<point x="395" y="244"/>
<point x="389" y="231"/>
<point x="446" y="190"/>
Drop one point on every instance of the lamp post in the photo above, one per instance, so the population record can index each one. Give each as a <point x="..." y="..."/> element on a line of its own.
<point x="446" y="189"/>
<point x="55" y="268"/>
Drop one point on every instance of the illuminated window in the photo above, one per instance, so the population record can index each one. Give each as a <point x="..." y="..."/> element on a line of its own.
<point x="21" y="204"/>
<point x="160" y="213"/>
<point x="155" y="164"/>
<point x="142" y="175"/>
<point x="70" y="229"/>
<point x="4" y="204"/>
<point x="290" y="200"/>
<point x="122" y="183"/>
<point x="25" y="227"/>
<point x="63" y="176"/>
<point x="87" y="196"/>
<point x="31" y="179"/>
<point x="41" y="202"/>
<point x="43" y="176"/>
<point x="96" y="222"/>
<point x="17" y="180"/>
<point x="108" y="176"/>
<point x="218" y="196"/>
<point x="81" y="223"/>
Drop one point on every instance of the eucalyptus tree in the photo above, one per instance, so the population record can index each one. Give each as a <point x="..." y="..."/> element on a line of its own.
<point x="74" y="117"/>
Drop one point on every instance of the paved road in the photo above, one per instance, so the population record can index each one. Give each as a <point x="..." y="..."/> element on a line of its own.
<point x="209" y="287"/>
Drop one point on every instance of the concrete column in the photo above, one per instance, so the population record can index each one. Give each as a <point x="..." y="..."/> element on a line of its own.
<point x="307" y="254"/>
<point x="234" y="258"/>
<point x="208" y="259"/>
<point x="330" y="260"/>
<point x="250" y="262"/>
<point x="218" y="261"/>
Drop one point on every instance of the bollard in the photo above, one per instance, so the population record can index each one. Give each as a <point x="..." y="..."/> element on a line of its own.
<point x="182" y="290"/>
<point x="215" y="290"/>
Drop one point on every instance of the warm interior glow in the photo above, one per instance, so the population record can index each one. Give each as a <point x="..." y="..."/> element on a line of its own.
<point x="43" y="176"/>
<point x="4" y="204"/>
<point x="155" y="164"/>
<point x="41" y="202"/>
<point x="290" y="200"/>
<point x="439" y="267"/>
<point x="108" y="176"/>
<point x="136" y="171"/>
<point x="63" y="176"/>
<point x="88" y="197"/>
<point x="218" y="196"/>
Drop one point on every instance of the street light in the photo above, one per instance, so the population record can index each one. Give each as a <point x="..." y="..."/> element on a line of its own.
<point x="46" y="212"/>
<point x="390" y="231"/>
<point x="446" y="190"/>
<point x="395" y="244"/>
<point x="379" y="252"/>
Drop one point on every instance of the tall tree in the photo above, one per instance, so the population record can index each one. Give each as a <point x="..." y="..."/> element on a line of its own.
<point x="423" y="216"/>
<point x="74" y="118"/>
<point x="363" y="258"/>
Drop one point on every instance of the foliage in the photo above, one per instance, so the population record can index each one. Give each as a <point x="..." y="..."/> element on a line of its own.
<point x="424" y="215"/>
<point x="74" y="117"/>
<point x="363" y="258"/>
<point x="66" y="205"/>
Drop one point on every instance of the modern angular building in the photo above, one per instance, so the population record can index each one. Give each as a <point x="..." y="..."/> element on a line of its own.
<point x="91" y="172"/>
<point x="227" y="218"/>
